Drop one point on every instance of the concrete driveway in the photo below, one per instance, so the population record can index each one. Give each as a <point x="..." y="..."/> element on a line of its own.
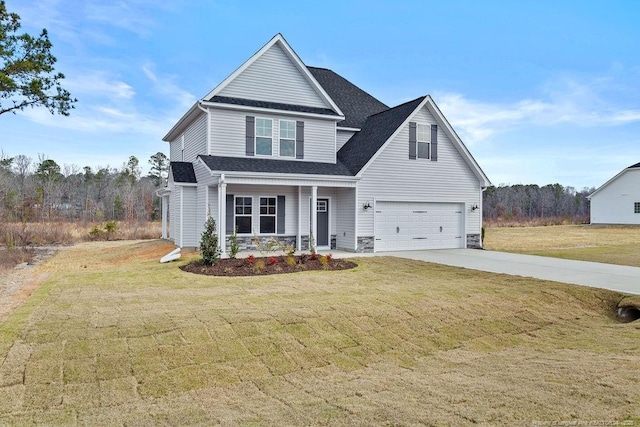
<point x="608" y="276"/>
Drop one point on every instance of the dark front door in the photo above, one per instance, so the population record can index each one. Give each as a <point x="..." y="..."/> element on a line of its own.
<point x="323" y="222"/>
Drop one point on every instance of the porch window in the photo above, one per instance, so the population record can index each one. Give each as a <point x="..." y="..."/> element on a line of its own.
<point x="264" y="136"/>
<point x="243" y="214"/>
<point x="267" y="215"/>
<point x="423" y="137"/>
<point x="287" y="138"/>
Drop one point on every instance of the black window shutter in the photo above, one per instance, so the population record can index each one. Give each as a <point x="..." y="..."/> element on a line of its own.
<point x="299" y="140"/>
<point x="280" y="211"/>
<point x="434" y="143"/>
<point x="412" y="141"/>
<point x="230" y="226"/>
<point x="251" y="133"/>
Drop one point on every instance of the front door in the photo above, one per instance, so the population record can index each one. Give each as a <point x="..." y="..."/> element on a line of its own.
<point x="323" y="222"/>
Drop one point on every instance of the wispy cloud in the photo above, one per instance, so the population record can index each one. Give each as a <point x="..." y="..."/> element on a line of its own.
<point x="566" y="101"/>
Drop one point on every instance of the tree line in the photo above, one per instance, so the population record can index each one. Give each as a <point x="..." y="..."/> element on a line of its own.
<point x="529" y="202"/>
<point x="42" y="190"/>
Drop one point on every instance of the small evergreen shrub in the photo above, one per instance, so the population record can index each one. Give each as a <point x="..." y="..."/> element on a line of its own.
<point x="209" y="243"/>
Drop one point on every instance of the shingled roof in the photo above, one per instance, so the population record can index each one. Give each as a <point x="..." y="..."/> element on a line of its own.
<point x="637" y="165"/>
<point x="377" y="129"/>
<point x="272" y="105"/>
<point x="356" y="104"/>
<point x="183" y="172"/>
<point x="252" y="164"/>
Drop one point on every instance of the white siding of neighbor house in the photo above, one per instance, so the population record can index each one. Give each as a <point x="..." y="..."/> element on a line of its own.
<point x="394" y="177"/>
<point x="342" y="137"/>
<point x="195" y="139"/>
<point x="228" y="136"/>
<point x="345" y="208"/>
<point x="614" y="203"/>
<point x="175" y="150"/>
<point x="189" y="226"/>
<point x="273" y="77"/>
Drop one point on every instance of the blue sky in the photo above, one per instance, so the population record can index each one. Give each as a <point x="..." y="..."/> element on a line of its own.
<point x="540" y="91"/>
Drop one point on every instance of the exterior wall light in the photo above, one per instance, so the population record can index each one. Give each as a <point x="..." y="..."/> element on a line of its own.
<point x="367" y="205"/>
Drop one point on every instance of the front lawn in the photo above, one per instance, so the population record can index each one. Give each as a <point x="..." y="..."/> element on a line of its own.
<point x="608" y="244"/>
<point x="114" y="337"/>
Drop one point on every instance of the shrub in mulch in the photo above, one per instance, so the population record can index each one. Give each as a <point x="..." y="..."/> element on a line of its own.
<point x="258" y="266"/>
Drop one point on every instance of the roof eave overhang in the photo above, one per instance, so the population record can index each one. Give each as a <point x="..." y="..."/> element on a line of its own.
<point x="184" y="121"/>
<point x="223" y="106"/>
<point x="608" y="182"/>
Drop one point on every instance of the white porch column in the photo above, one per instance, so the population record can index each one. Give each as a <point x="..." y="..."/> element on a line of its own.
<point x="222" y="217"/>
<point x="299" y="237"/>
<point x="314" y="216"/>
<point x="165" y="206"/>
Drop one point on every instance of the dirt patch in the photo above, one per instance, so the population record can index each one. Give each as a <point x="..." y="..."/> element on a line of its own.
<point x="17" y="284"/>
<point x="268" y="265"/>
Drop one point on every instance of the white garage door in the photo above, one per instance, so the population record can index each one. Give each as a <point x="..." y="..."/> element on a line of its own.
<point x="411" y="225"/>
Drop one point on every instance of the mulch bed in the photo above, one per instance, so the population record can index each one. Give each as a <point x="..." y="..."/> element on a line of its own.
<point x="260" y="266"/>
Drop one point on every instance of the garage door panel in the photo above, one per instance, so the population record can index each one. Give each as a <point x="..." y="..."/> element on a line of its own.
<point x="415" y="225"/>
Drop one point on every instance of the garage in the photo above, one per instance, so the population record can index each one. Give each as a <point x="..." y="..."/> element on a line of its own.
<point x="418" y="225"/>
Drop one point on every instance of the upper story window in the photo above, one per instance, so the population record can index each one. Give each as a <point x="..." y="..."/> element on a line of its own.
<point x="636" y="207"/>
<point x="287" y="138"/>
<point x="423" y="139"/>
<point x="264" y="136"/>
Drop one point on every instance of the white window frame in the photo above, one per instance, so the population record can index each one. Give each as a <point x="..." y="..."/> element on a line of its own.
<point x="255" y="142"/>
<point x="423" y="137"/>
<point x="235" y="214"/>
<point x="293" y="140"/>
<point x="274" y="215"/>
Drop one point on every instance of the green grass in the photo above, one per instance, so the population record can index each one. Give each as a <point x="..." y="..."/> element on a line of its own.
<point x="607" y="244"/>
<point x="121" y="339"/>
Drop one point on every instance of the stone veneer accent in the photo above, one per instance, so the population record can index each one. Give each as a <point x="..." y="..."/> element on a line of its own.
<point x="365" y="244"/>
<point x="473" y="241"/>
<point x="247" y="243"/>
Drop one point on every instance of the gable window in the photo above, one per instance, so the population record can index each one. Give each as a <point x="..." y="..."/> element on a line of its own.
<point x="243" y="214"/>
<point x="287" y="138"/>
<point x="423" y="140"/>
<point x="267" y="215"/>
<point x="636" y="207"/>
<point x="264" y="136"/>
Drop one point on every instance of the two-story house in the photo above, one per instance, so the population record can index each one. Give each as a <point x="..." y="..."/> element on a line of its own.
<point x="280" y="149"/>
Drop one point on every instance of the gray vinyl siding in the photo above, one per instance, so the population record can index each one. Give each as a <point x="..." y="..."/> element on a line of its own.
<point x="228" y="129"/>
<point x="394" y="177"/>
<point x="213" y="203"/>
<point x="256" y="191"/>
<point x="614" y="203"/>
<point x="175" y="150"/>
<point x="201" y="210"/>
<point x="342" y="137"/>
<point x="195" y="139"/>
<point x="329" y="193"/>
<point x="189" y="226"/>
<point x="174" y="215"/>
<point x="273" y="77"/>
<point x="344" y="203"/>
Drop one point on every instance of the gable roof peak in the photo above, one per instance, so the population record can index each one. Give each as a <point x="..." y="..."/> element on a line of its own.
<point x="295" y="60"/>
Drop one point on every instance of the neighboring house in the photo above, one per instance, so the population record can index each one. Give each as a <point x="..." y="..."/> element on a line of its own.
<point x="617" y="201"/>
<point x="281" y="150"/>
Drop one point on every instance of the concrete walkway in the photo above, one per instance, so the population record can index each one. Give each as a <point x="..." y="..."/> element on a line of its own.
<point x="607" y="276"/>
